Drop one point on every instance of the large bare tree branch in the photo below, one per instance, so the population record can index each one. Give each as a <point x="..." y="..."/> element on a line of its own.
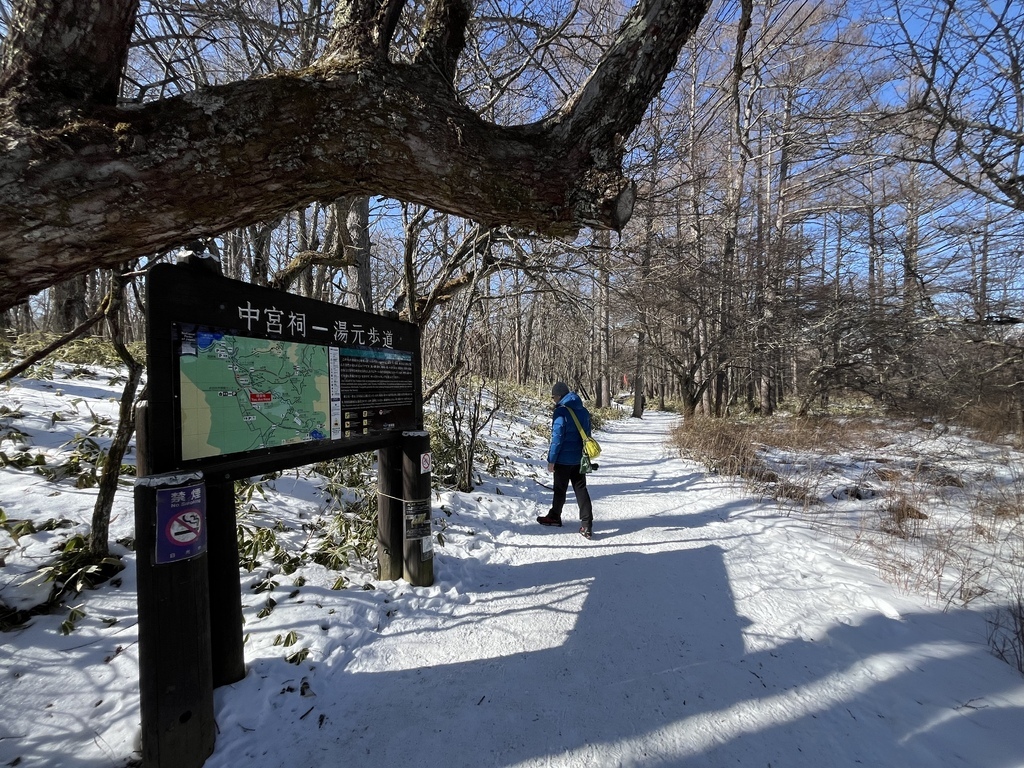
<point x="614" y="98"/>
<point x="444" y="36"/>
<point x="85" y="184"/>
<point x="283" y="279"/>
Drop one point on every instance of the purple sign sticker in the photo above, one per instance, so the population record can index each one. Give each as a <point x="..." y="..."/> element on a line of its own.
<point x="180" y="523"/>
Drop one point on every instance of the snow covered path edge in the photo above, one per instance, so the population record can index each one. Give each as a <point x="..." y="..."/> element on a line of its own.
<point x="699" y="627"/>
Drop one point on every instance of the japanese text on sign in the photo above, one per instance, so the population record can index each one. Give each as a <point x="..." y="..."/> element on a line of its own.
<point x="278" y="322"/>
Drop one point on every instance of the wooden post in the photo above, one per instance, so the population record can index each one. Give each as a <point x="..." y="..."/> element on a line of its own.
<point x="390" y="531"/>
<point x="418" y="554"/>
<point x="225" y="594"/>
<point x="175" y="680"/>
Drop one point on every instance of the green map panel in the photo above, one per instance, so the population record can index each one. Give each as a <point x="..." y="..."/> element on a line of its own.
<point x="241" y="394"/>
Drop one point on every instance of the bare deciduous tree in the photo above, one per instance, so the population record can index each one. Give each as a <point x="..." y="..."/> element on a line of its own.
<point x="964" y="63"/>
<point x="85" y="182"/>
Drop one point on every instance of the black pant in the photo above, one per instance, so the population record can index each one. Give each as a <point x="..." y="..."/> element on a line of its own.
<point x="564" y="474"/>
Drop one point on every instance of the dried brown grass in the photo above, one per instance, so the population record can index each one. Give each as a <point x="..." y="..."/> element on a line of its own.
<point x="913" y="546"/>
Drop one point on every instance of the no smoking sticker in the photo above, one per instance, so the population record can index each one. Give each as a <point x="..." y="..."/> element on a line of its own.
<point x="180" y="523"/>
<point x="185" y="527"/>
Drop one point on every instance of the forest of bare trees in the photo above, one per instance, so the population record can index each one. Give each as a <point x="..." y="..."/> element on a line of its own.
<point x="830" y="200"/>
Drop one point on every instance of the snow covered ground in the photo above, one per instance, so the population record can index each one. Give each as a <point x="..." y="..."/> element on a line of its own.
<point x="700" y="627"/>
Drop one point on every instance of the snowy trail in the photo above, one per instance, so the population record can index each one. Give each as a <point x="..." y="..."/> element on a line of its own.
<point x="697" y="628"/>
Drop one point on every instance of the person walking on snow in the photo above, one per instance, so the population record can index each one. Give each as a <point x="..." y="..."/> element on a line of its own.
<point x="564" y="457"/>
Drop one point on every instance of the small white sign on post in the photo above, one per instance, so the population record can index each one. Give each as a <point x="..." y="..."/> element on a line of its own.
<point x="424" y="463"/>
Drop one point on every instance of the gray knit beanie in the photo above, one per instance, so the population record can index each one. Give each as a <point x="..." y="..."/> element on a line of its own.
<point x="560" y="390"/>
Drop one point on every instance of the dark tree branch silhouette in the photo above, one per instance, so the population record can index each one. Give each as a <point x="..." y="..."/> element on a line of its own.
<point x="86" y="183"/>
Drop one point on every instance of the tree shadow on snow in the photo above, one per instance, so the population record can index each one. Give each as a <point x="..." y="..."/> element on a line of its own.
<point x="645" y="664"/>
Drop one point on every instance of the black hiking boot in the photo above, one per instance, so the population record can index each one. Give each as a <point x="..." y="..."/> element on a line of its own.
<point x="550" y="519"/>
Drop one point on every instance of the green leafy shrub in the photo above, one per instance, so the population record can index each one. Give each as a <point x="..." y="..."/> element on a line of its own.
<point x="601" y="416"/>
<point x="77" y="569"/>
<point x="346" y="531"/>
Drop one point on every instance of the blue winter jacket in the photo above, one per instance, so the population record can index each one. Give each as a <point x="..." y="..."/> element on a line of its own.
<point x="566" y="443"/>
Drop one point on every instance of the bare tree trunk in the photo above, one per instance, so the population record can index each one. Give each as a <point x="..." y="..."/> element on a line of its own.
<point x="639" y="400"/>
<point x="233" y="254"/>
<point x="260" y="238"/>
<point x="980" y="276"/>
<point x="306" y="241"/>
<point x="100" y="530"/>
<point x="74" y="48"/>
<point x="355" y="236"/>
<point x="527" y="345"/>
<point x="604" y="332"/>
<point x="67" y="304"/>
<point x="738" y="164"/>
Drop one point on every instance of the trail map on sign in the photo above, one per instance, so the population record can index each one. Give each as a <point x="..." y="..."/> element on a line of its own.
<point x="241" y="394"/>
